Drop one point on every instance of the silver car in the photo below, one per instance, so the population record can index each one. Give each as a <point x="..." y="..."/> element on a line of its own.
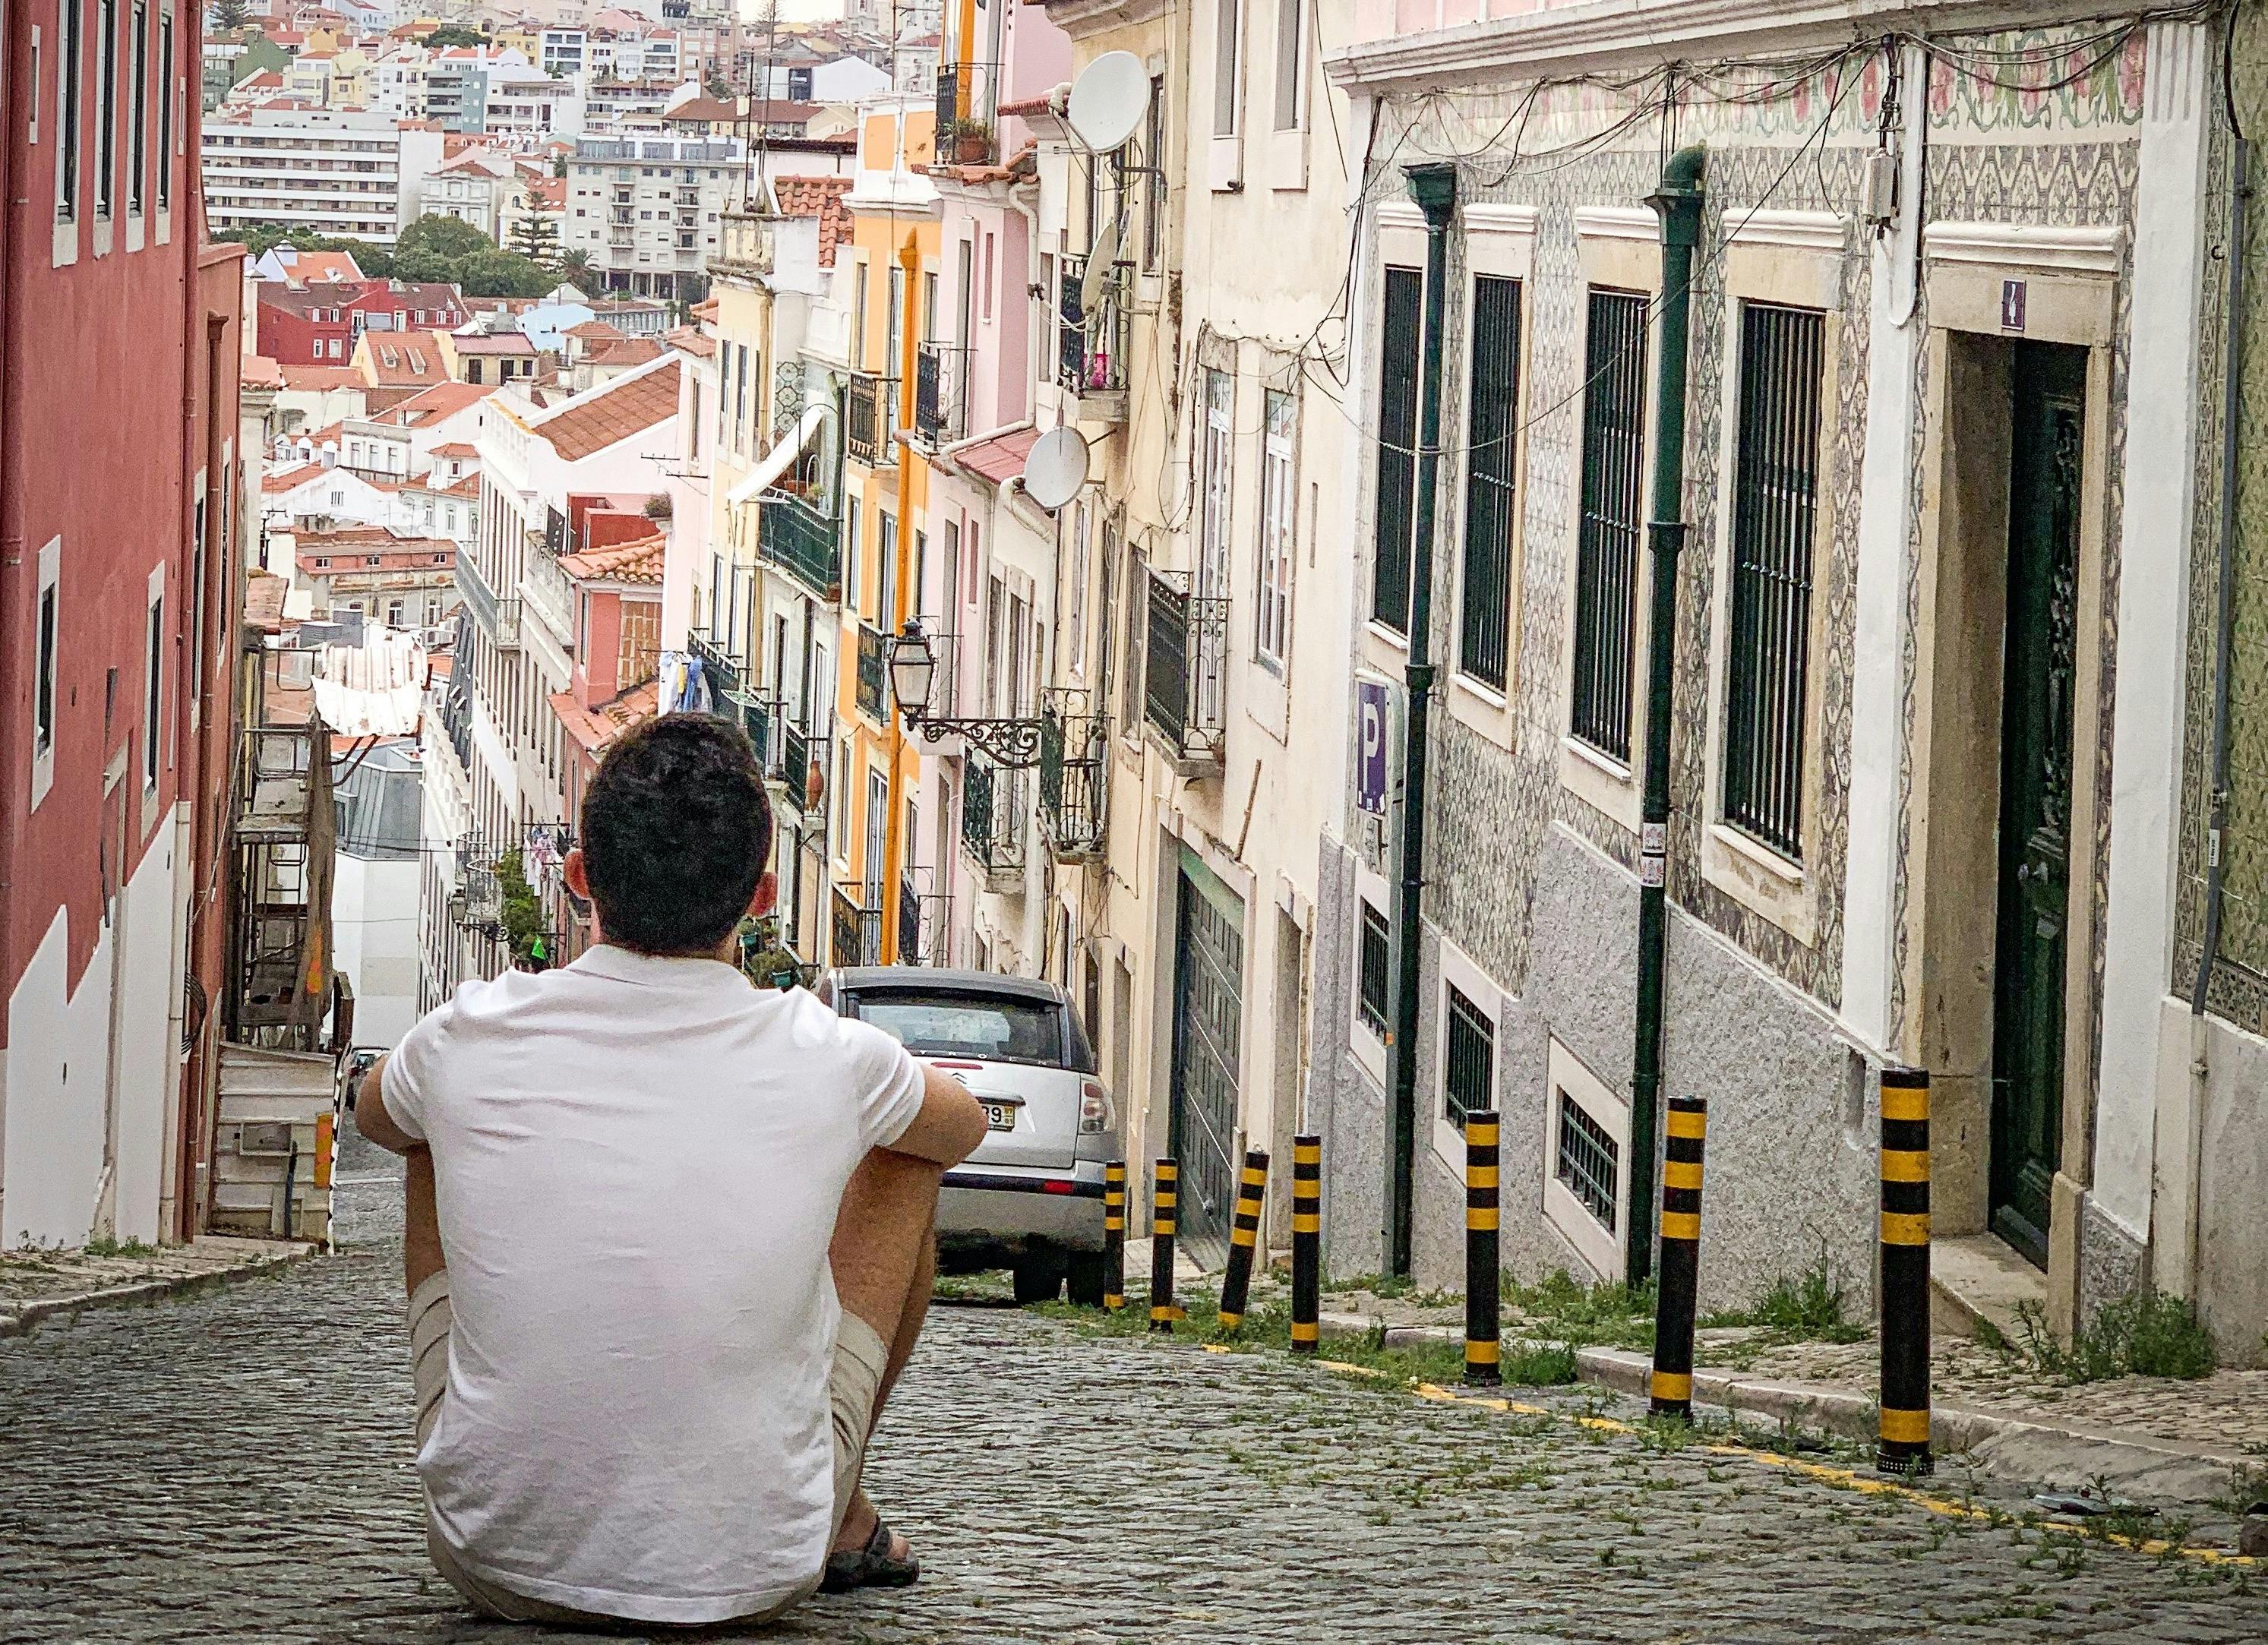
<point x="1030" y="1198"/>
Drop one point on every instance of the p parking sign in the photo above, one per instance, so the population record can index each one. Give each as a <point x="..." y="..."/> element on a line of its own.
<point x="1373" y="707"/>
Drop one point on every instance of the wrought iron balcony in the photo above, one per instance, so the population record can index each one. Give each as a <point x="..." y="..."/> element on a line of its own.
<point x="874" y="674"/>
<point x="858" y="925"/>
<point x="1092" y="340"/>
<point x="1074" y="769"/>
<point x="941" y="393"/>
<point x="870" y="418"/>
<point x="992" y="800"/>
<point x="801" y="539"/>
<point x="967" y="98"/>
<point x="499" y="618"/>
<point x="1185" y="675"/>
<point x="722" y="666"/>
<point x="924" y="918"/>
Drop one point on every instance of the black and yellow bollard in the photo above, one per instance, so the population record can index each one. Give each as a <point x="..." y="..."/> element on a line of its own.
<point x="1904" y="1433"/>
<point x="1679" y="1274"/>
<point x="1114" y="1235"/>
<point x="1236" y="1284"/>
<point x="1165" y="1195"/>
<point x="1306" y="1242"/>
<point x="1483" y="1349"/>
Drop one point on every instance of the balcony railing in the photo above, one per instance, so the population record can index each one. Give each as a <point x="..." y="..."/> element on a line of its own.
<point x="1092" y="340"/>
<point x="992" y="821"/>
<point x="1075" y="766"/>
<point x="857" y="926"/>
<point x="801" y="539"/>
<point x="967" y="102"/>
<point x="869" y="417"/>
<point x="872" y="674"/>
<point x="499" y="618"/>
<point x="941" y="393"/>
<point x="1185" y="670"/>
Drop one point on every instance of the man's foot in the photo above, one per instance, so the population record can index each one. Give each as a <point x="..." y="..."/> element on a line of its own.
<point x="868" y="1554"/>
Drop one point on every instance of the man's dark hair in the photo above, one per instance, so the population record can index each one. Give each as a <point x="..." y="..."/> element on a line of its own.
<point x="676" y="833"/>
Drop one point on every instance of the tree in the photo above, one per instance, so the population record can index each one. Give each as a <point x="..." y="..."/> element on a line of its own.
<point x="575" y="268"/>
<point x="228" y="16"/>
<point x="536" y="237"/>
<point x="718" y="87"/>
<point x="502" y="274"/>
<point x="454" y="34"/>
<point x="441" y="237"/>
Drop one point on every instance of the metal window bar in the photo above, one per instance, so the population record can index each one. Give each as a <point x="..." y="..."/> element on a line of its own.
<point x="1376" y="994"/>
<point x="1185" y="673"/>
<point x="1397" y="460"/>
<point x="1468" y="1059"/>
<point x="872" y="673"/>
<point x="1607" y="541"/>
<point x="941" y="392"/>
<point x="1093" y="344"/>
<point x="1484" y="626"/>
<point x="1775" y="508"/>
<point x="992" y="815"/>
<point x="868" y="421"/>
<point x="1588" y="1162"/>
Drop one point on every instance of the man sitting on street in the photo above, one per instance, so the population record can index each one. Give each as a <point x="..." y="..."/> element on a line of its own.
<point x="669" y="1237"/>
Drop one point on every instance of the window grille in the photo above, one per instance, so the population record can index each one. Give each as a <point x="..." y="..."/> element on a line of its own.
<point x="1397" y="449"/>
<point x="1606" y="543"/>
<point x="1484" y="628"/>
<point x="1468" y="1059"/>
<point x="1588" y="1162"/>
<point x="1774" y="507"/>
<point x="1371" y="1001"/>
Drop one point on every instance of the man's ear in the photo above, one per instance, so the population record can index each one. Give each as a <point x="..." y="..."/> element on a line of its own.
<point x="576" y="876"/>
<point x="767" y="896"/>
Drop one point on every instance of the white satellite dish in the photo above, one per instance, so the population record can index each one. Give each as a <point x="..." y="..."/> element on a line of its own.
<point x="1098" y="267"/>
<point x="1055" y="468"/>
<point x="1108" y="99"/>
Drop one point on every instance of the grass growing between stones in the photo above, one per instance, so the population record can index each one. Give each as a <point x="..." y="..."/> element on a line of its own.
<point x="2141" y="1335"/>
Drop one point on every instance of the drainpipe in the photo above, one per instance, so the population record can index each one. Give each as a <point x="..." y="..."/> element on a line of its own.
<point x="1434" y="187"/>
<point x="1677" y="201"/>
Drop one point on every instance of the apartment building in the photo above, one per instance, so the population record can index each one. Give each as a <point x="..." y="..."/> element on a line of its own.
<point x="644" y="210"/>
<point x="405" y="582"/>
<point x="332" y="173"/>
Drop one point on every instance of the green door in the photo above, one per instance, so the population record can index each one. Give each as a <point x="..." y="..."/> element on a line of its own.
<point x="2049" y="430"/>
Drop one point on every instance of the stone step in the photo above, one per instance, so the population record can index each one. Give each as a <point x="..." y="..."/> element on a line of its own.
<point x="1979" y="1279"/>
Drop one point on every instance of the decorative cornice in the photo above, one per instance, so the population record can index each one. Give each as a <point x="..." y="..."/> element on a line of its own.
<point x="1797" y="231"/>
<point x="1081" y="19"/>
<point x="2087" y="250"/>
<point x="1397" y="213"/>
<point x="1618" y="222"/>
<point x="1485" y="219"/>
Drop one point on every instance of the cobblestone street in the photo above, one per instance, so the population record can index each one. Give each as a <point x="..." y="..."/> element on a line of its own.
<point x="235" y="1465"/>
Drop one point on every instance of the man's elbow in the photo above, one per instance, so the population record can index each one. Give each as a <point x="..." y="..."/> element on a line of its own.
<point x="969" y="1133"/>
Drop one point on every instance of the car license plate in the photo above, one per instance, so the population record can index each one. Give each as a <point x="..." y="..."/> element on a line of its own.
<point x="1000" y="1116"/>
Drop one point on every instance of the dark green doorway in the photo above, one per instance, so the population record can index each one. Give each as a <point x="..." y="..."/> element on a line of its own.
<point x="2048" y="426"/>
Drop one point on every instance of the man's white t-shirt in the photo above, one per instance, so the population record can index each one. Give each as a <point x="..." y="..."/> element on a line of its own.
<point x="639" y="1162"/>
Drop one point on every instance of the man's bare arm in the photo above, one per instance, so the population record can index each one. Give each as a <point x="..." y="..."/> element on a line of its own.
<point x="949" y="1125"/>
<point x="372" y="1120"/>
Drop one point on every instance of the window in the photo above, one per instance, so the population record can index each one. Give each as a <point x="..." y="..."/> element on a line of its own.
<point x="1154" y="181"/>
<point x="894" y="323"/>
<point x="1373" y="976"/>
<point x="1228" y="31"/>
<point x="1220" y="452"/>
<point x="1272" y="619"/>
<point x="859" y="315"/>
<point x="1587" y="1161"/>
<point x="1397" y="450"/>
<point x="1467" y="1059"/>
<point x="885" y="574"/>
<point x="137" y="148"/>
<point x="43" y="695"/>
<point x="153" y="692"/>
<point x="1082" y="522"/>
<point x="1290" y="57"/>
<point x="197" y="559"/>
<point x="106" y="135"/>
<point x="68" y="68"/>
<point x="1485" y="620"/>
<point x="1607" y="541"/>
<point x="1775" y="502"/>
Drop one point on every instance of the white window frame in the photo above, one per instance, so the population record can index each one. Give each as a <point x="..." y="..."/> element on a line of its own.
<point x="47" y="666"/>
<point x="1457" y="969"/>
<point x="1369" y="1049"/>
<point x="154" y="753"/>
<point x="1280" y="509"/>
<point x="1600" y="1247"/>
<point x="1225" y="153"/>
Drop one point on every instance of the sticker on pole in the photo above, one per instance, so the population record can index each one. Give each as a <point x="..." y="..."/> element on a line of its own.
<point x="1370" y="711"/>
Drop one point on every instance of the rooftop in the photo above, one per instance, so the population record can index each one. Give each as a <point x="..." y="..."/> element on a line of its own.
<point x="606" y="416"/>
<point x="820" y="197"/>
<point x="636" y="561"/>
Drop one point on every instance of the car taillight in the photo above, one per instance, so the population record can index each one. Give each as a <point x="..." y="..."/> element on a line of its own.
<point x="1096" y="1113"/>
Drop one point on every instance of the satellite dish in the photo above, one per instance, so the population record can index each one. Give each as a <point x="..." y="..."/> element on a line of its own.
<point x="1108" y="99"/>
<point x="1056" y="468"/>
<point x="1098" y="266"/>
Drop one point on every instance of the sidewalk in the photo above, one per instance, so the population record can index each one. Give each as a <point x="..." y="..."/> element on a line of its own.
<point x="38" y="1284"/>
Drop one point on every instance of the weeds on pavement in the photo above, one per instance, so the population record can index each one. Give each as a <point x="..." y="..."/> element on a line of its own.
<point x="2141" y="1335"/>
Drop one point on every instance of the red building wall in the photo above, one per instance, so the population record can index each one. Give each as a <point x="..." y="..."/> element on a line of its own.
<point x="288" y="337"/>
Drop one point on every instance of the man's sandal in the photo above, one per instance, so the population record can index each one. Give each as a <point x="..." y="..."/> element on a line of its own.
<point x="873" y="1566"/>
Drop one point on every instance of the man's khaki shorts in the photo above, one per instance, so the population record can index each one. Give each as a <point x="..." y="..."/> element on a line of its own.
<point x="853" y="1384"/>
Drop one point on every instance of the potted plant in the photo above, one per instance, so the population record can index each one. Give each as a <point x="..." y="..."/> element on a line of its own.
<point x="972" y="141"/>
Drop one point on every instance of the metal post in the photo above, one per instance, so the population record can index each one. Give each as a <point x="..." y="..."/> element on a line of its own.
<point x="1236" y="1284"/>
<point x="1482" y="1350"/>
<point x="1165" y="1195"/>
<point x="1680" y="1258"/>
<point x="1306" y="1241"/>
<point x="1905" y="1428"/>
<point x="1114" y="1235"/>
<point x="1678" y="203"/>
<point x="1434" y="187"/>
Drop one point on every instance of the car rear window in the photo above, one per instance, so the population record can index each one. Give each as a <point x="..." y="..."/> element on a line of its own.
<point x="992" y="1027"/>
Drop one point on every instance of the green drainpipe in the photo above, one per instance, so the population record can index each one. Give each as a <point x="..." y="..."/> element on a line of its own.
<point x="1434" y="187"/>
<point x="1678" y="203"/>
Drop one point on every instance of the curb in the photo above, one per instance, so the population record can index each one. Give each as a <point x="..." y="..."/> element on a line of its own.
<point x="2143" y="1467"/>
<point x="31" y="1315"/>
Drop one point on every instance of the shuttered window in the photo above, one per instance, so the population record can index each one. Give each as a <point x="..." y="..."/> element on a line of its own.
<point x="1484" y="621"/>
<point x="1469" y="1062"/>
<point x="1607" y="542"/>
<point x="1775" y="512"/>
<point x="1397" y="449"/>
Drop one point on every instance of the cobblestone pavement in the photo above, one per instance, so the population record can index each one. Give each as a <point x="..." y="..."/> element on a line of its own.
<point x="235" y="1466"/>
<point x="32" y="1275"/>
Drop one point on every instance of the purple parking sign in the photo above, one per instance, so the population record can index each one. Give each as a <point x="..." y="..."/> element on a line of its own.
<point x="1370" y="712"/>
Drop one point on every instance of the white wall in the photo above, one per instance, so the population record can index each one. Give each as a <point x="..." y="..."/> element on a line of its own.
<point x="374" y="933"/>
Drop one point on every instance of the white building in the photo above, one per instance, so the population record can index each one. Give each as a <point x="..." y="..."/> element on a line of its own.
<point x="471" y="187"/>
<point x="645" y="210"/>
<point x="339" y="174"/>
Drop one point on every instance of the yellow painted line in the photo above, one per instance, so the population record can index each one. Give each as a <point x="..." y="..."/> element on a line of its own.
<point x="1352" y="1370"/>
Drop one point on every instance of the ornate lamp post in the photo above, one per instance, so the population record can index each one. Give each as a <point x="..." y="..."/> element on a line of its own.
<point x="1013" y="744"/>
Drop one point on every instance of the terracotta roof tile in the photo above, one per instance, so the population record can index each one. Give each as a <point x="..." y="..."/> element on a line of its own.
<point x="595" y="330"/>
<point x="820" y="197"/>
<point x="690" y="339"/>
<point x="638" y="560"/>
<point x="289" y="479"/>
<point x="611" y="414"/>
<point x="628" y="352"/>
<point x="454" y="448"/>
<point x="594" y="729"/>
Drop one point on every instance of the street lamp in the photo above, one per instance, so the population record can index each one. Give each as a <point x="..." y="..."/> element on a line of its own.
<point x="1013" y="744"/>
